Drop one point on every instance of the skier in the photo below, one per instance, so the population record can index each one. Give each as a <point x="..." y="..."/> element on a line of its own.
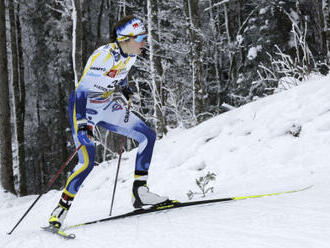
<point x="91" y="104"/>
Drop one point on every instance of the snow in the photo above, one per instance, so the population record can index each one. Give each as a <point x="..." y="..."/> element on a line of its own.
<point x="239" y="39"/>
<point x="263" y="11"/>
<point x="294" y="15"/>
<point x="253" y="52"/>
<point x="252" y="152"/>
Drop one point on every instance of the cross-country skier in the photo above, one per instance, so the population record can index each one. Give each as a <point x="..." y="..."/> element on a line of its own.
<point x="92" y="104"/>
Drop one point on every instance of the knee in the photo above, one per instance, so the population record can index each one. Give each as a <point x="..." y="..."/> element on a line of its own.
<point x="146" y="135"/>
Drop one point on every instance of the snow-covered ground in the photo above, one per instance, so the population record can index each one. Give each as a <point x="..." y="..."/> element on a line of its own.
<point x="252" y="151"/>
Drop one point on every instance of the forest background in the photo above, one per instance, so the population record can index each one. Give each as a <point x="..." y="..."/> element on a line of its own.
<point x="203" y="58"/>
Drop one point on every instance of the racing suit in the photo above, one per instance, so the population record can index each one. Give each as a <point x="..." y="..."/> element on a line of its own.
<point x="92" y="102"/>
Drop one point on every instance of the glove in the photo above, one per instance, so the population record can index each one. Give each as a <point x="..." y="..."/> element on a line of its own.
<point x="85" y="134"/>
<point x="127" y="92"/>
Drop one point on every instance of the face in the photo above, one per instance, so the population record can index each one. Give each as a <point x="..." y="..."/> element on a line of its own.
<point x="135" y="44"/>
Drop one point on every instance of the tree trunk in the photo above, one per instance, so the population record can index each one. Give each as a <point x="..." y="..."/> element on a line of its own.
<point x="21" y="68"/>
<point x="216" y="56"/>
<point x="76" y="40"/>
<point x="196" y="41"/>
<point x="19" y="105"/>
<point x="159" y="68"/>
<point x="233" y="63"/>
<point x="99" y="21"/>
<point x="326" y="15"/>
<point x="156" y="68"/>
<point x="87" y="37"/>
<point x="62" y="135"/>
<point x="6" y="160"/>
<point x="111" y="18"/>
<point x="322" y="25"/>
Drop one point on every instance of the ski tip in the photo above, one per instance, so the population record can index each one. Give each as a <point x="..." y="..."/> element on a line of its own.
<point x="310" y="186"/>
<point x="305" y="188"/>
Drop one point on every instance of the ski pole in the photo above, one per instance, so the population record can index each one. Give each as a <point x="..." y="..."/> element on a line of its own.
<point x="120" y="153"/>
<point x="50" y="183"/>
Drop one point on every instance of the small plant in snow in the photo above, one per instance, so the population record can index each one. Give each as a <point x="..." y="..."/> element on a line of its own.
<point x="295" y="130"/>
<point x="202" y="183"/>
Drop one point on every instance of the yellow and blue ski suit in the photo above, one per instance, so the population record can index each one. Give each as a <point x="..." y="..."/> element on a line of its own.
<point x="92" y="101"/>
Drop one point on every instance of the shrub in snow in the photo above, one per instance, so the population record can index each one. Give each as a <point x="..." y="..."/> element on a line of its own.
<point x="288" y="70"/>
<point x="202" y="184"/>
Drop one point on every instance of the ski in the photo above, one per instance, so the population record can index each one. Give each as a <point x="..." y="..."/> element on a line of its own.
<point x="170" y="204"/>
<point x="61" y="233"/>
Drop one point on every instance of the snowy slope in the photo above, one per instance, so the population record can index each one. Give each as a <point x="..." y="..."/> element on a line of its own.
<point x="252" y="152"/>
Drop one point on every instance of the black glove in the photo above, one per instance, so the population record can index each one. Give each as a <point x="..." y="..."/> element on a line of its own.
<point x="127" y="92"/>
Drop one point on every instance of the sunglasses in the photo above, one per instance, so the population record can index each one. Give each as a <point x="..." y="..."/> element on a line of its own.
<point x="140" y="38"/>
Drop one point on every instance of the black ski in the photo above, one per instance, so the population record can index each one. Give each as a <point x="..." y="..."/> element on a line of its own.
<point x="175" y="204"/>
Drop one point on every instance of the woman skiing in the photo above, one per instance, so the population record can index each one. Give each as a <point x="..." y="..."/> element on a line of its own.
<point x="91" y="104"/>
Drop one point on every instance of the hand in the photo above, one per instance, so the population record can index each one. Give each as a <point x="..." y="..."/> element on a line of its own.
<point x="85" y="134"/>
<point x="127" y="92"/>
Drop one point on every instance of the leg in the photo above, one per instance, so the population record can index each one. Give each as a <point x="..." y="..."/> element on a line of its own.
<point x="81" y="171"/>
<point x="133" y="128"/>
<point x="83" y="168"/>
<point x="115" y="120"/>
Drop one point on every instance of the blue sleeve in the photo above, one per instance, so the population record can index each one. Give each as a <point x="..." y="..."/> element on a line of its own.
<point x="81" y="102"/>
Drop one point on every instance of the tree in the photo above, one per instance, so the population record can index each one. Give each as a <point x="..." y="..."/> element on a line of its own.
<point x="156" y="69"/>
<point x="77" y="40"/>
<point x="196" y="53"/>
<point x="6" y="161"/>
<point x="19" y="92"/>
<point x="326" y="14"/>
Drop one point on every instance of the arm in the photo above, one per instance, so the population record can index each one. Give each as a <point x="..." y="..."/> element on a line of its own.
<point x="81" y="92"/>
<point x="84" y="132"/>
<point x="80" y="103"/>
